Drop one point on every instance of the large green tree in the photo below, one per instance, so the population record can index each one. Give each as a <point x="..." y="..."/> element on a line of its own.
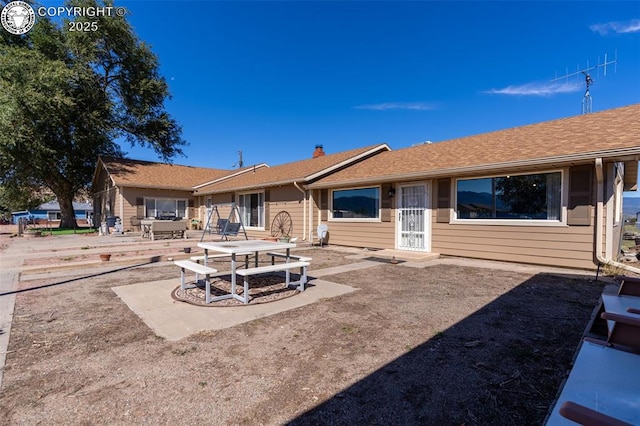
<point x="67" y="97"/>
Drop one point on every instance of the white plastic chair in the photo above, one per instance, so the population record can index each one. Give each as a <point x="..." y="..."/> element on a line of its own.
<point x="321" y="233"/>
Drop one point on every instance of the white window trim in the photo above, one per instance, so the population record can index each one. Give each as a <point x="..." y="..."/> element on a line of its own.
<point x="564" y="177"/>
<point x="264" y="206"/>
<point x="355" y="220"/>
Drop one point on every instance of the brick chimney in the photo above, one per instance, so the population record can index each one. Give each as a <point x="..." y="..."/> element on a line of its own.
<point x="319" y="152"/>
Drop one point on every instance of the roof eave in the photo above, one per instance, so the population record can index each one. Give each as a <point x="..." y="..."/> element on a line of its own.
<point x="299" y="179"/>
<point x="229" y="176"/>
<point x="617" y="154"/>
<point x="262" y="185"/>
<point x="346" y="162"/>
<point x="143" y="186"/>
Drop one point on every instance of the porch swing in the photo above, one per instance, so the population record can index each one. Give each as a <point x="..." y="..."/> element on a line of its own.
<point x="223" y="227"/>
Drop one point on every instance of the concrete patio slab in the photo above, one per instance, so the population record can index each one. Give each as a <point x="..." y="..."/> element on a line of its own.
<point x="174" y="320"/>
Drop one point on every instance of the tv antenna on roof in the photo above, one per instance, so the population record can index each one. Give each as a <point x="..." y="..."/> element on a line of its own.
<point x="587" y="101"/>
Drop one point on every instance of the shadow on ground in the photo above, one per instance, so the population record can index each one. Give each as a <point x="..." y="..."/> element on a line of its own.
<point x="154" y="259"/>
<point x="467" y="375"/>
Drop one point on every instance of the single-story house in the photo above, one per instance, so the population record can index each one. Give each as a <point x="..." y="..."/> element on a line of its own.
<point x="135" y="190"/>
<point x="49" y="212"/>
<point x="263" y="193"/>
<point x="548" y="193"/>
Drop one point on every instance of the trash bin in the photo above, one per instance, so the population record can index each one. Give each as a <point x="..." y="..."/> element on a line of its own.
<point x="111" y="221"/>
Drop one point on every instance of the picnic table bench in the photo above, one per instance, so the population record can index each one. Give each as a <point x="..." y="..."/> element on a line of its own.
<point x="274" y="254"/>
<point x="286" y="267"/>
<point x="199" y="270"/>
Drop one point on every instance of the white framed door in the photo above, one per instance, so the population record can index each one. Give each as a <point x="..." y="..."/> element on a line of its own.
<point x="413" y="217"/>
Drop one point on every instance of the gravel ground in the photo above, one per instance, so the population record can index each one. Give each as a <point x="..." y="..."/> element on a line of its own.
<point x="444" y="344"/>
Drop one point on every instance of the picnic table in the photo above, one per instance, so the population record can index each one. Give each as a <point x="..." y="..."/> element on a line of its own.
<point x="234" y="248"/>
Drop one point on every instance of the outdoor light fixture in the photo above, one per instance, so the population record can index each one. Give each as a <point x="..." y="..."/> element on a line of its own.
<point x="392" y="192"/>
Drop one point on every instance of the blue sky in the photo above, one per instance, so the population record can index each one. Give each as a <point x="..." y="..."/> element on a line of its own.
<point x="274" y="79"/>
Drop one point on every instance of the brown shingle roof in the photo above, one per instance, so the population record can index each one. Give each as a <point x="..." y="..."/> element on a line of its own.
<point x="146" y="174"/>
<point x="298" y="171"/>
<point x="590" y="135"/>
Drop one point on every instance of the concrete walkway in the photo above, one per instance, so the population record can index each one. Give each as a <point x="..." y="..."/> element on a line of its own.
<point x="11" y="263"/>
<point x="174" y="320"/>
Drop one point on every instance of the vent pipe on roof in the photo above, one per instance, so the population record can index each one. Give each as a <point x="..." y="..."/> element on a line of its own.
<point x="319" y="152"/>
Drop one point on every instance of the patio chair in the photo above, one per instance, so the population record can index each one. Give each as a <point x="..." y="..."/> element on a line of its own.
<point x="629" y="286"/>
<point x="321" y="234"/>
<point x="135" y="223"/>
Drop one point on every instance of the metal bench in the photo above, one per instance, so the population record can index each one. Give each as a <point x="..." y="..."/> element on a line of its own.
<point x="199" y="270"/>
<point x="286" y="267"/>
<point x="275" y="254"/>
<point x="198" y="259"/>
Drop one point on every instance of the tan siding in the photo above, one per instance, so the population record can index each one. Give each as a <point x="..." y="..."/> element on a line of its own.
<point x="552" y="259"/>
<point x="568" y="246"/>
<point x="129" y="207"/>
<point x="286" y="199"/>
<point x="362" y="234"/>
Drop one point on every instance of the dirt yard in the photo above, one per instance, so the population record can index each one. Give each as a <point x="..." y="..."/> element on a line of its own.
<point x="442" y="345"/>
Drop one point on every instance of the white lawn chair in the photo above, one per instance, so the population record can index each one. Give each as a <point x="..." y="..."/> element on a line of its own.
<point x="321" y="234"/>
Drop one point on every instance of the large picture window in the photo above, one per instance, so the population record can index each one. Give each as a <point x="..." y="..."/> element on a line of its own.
<point x="361" y="203"/>
<point x="165" y="208"/>
<point x="251" y="208"/>
<point x="519" y="197"/>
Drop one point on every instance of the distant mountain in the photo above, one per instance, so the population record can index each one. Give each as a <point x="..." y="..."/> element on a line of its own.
<point x="479" y="199"/>
<point x="630" y="206"/>
<point x="355" y="206"/>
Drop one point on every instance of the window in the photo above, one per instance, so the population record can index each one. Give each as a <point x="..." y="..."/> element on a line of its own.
<point x="165" y="208"/>
<point x="520" y="197"/>
<point x="251" y="208"/>
<point x="54" y="215"/>
<point x="361" y="203"/>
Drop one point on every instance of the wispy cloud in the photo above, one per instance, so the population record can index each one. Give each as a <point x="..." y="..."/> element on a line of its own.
<point x="537" y="89"/>
<point x="415" y="106"/>
<point x="618" y="27"/>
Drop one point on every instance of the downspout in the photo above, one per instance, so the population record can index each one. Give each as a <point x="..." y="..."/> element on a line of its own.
<point x="122" y="206"/>
<point x="599" y="219"/>
<point x="304" y="210"/>
<point x="310" y="213"/>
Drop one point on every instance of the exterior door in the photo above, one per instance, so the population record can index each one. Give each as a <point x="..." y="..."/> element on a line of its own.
<point x="412" y="218"/>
